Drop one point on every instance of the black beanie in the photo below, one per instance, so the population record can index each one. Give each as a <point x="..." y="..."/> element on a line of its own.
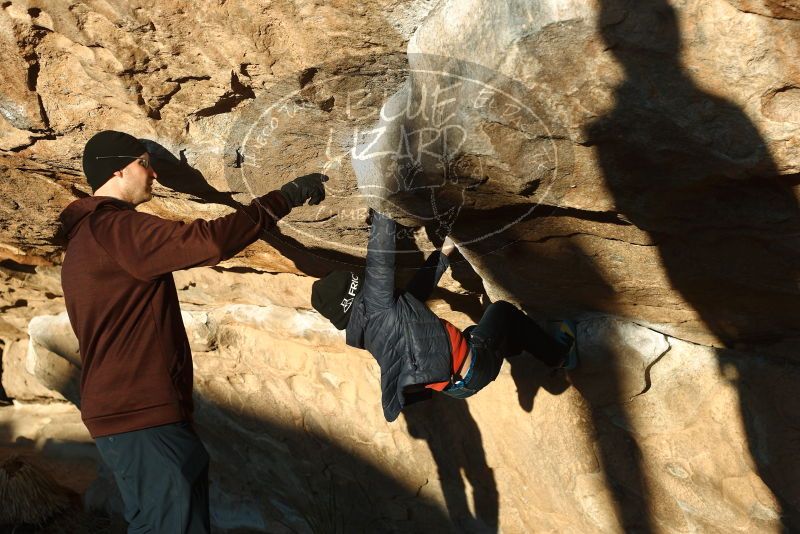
<point x="108" y="143"/>
<point x="333" y="296"/>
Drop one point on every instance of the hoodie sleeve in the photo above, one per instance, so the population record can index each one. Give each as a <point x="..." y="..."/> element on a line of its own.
<point x="148" y="246"/>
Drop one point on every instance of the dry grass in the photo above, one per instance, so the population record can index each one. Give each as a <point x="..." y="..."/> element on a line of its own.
<point x="33" y="502"/>
<point x="29" y="494"/>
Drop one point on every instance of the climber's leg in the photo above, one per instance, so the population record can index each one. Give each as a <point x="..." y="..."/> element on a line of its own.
<point x="506" y="329"/>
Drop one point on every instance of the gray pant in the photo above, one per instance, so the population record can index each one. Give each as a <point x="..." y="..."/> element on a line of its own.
<point x="162" y="474"/>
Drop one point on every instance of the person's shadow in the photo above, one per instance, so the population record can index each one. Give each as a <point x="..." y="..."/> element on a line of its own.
<point x="455" y="442"/>
<point x="692" y="170"/>
<point x="176" y="174"/>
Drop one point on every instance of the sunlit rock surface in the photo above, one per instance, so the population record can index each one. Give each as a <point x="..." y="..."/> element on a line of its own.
<point x="632" y="164"/>
<point x="291" y="415"/>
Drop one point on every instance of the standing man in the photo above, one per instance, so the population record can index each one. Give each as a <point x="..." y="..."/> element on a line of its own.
<point x="136" y="379"/>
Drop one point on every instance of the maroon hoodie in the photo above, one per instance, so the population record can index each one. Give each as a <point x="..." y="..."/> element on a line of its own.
<point x="123" y="305"/>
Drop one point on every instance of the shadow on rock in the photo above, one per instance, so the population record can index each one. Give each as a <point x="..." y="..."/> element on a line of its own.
<point x="457" y="447"/>
<point x="521" y="264"/>
<point x="281" y="479"/>
<point x="600" y="384"/>
<point x="177" y="175"/>
<point x="692" y="170"/>
<point x="530" y="375"/>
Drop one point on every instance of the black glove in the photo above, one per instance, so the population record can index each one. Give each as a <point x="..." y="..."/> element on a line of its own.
<point x="308" y="187"/>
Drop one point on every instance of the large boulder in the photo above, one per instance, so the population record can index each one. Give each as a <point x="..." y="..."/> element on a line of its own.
<point x="629" y="163"/>
<point x="17" y="382"/>
<point x="53" y="356"/>
<point x="624" y="156"/>
<point x="648" y="432"/>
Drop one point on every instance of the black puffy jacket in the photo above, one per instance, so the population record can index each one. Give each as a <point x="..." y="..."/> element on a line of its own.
<point x="406" y="338"/>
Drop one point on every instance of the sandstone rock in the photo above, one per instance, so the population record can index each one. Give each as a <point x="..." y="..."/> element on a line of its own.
<point x="779" y="9"/>
<point x="19" y="105"/>
<point x="202" y="330"/>
<point x="305" y="413"/>
<point x="631" y="158"/>
<point x="25" y="291"/>
<point x="17" y="382"/>
<point x="53" y="356"/>
<point x="197" y="287"/>
<point x="134" y="65"/>
<point x="625" y="349"/>
<point x="608" y="145"/>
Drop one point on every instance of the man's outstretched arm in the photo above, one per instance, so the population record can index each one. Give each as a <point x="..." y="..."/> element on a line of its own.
<point x="148" y="246"/>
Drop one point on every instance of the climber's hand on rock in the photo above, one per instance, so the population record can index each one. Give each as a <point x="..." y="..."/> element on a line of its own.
<point x="309" y="187"/>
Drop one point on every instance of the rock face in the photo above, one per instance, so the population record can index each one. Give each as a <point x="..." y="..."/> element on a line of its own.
<point x="649" y="435"/>
<point x="629" y="163"/>
<point x="639" y="144"/>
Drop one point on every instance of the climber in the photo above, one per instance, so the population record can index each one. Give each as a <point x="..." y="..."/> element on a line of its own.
<point x="136" y="379"/>
<point x="417" y="351"/>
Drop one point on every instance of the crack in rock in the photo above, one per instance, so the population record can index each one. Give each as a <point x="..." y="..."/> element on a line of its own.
<point x="772" y="9"/>
<point x="573" y="234"/>
<point x="647" y="379"/>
